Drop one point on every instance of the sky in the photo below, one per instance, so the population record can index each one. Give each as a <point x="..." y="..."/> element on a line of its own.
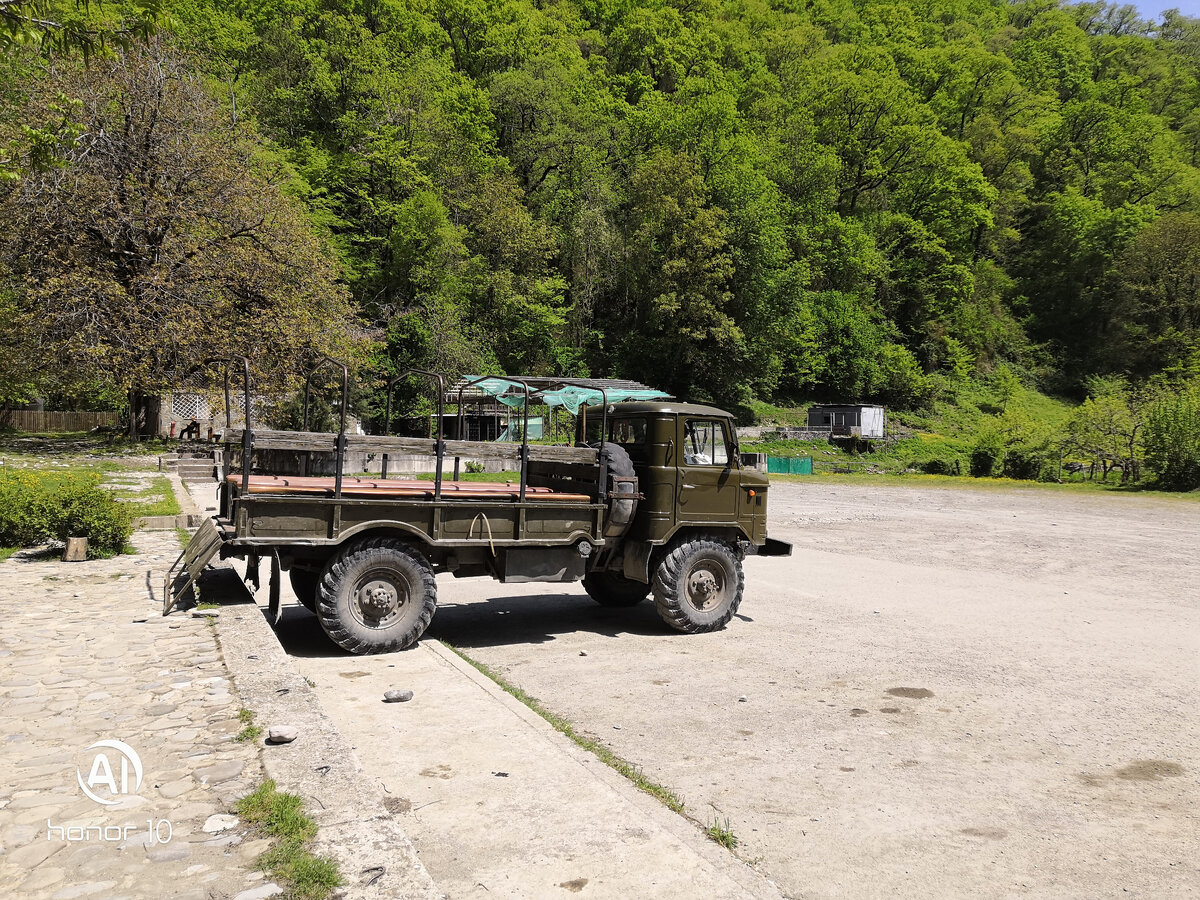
<point x="1153" y="10"/>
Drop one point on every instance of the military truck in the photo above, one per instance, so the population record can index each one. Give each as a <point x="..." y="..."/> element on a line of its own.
<point x="651" y="500"/>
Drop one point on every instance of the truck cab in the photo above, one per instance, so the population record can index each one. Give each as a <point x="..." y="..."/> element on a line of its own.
<point x="688" y="468"/>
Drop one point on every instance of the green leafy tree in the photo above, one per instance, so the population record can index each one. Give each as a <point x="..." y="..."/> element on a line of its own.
<point x="181" y="245"/>
<point x="1109" y="428"/>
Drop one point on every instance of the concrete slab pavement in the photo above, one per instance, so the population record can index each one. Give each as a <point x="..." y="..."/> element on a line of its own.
<point x="498" y="803"/>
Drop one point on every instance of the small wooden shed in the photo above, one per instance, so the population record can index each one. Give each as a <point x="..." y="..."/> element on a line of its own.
<point x="862" y="421"/>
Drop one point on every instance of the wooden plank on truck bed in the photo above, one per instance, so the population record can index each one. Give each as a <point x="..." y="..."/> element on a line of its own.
<point x="379" y="443"/>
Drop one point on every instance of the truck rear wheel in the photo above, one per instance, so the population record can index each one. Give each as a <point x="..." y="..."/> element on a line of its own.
<point x="377" y="596"/>
<point x="698" y="586"/>
<point x="611" y="589"/>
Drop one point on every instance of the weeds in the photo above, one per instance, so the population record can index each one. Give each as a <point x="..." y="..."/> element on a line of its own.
<point x="281" y="816"/>
<point x="721" y="834"/>
<point x="250" y="732"/>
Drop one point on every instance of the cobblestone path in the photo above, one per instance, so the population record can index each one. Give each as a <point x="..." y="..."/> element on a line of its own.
<point x="86" y="656"/>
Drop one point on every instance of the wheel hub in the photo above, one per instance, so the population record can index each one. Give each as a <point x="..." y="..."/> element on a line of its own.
<point x="378" y="598"/>
<point x="703" y="588"/>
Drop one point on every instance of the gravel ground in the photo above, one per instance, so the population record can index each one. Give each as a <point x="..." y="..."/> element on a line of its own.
<point x="943" y="692"/>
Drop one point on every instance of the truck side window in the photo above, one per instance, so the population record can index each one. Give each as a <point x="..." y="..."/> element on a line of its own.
<point x="626" y="432"/>
<point x="704" y="443"/>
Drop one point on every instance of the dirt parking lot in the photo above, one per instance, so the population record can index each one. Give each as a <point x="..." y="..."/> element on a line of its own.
<point x="943" y="692"/>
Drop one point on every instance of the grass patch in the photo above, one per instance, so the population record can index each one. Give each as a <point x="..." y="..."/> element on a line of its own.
<point x="208" y="606"/>
<point x="184" y="536"/>
<point x="250" y="732"/>
<point x="967" y="483"/>
<point x="721" y="834"/>
<point x="664" y="795"/>
<point x="160" y="486"/>
<point x="282" y="817"/>
<point x="6" y="552"/>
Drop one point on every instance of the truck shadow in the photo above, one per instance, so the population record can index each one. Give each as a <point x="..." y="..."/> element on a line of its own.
<point x="538" y="618"/>
<point x="496" y="622"/>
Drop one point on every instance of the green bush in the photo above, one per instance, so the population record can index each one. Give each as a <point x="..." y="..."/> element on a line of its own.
<point x="1026" y="464"/>
<point x="1172" y="439"/>
<point x="940" y="467"/>
<point x="39" y="508"/>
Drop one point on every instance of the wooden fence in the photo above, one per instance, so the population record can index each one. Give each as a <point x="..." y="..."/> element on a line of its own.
<point x="32" y="420"/>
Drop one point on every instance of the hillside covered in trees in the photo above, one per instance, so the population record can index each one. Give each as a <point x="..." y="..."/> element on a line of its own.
<point x="750" y="199"/>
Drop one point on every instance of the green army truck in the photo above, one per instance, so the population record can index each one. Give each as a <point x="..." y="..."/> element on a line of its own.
<point x="651" y="500"/>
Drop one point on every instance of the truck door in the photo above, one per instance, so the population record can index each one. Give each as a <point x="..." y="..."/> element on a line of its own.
<point x="708" y="473"/>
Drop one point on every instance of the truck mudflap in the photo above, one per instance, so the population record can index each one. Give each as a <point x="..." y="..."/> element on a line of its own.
<point x="772" y="547"/>
<point x="191" y="562"/>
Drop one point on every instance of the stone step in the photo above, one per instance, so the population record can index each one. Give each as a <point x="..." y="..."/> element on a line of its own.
<point x="168" y="459"/>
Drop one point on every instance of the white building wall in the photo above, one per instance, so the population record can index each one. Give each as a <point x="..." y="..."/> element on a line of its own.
<point x="873" y="422"/>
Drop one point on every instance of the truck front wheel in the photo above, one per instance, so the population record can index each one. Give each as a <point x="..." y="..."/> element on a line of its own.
<point x="376" y="596"/>
<point x="698" y="586"/>
<point x="305" y="584"/>
<point x="611" y="589"/>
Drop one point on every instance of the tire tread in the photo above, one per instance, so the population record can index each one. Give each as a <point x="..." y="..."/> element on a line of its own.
<point x="668" y="581"/>
<point x="336" y="573"/>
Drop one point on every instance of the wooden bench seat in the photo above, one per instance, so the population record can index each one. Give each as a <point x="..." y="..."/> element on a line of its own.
<point x="379" y="487"/>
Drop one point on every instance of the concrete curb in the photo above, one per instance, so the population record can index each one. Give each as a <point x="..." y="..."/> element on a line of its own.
<point x="375" y="856"/>
<point x="167" y="523"/>
<point x="752" y="882"/>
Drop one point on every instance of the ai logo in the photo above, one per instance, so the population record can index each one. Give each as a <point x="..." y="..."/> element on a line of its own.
<point x="102" y="774"/>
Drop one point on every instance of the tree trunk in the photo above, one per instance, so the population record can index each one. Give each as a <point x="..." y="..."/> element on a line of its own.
<point x="143" y="415"/>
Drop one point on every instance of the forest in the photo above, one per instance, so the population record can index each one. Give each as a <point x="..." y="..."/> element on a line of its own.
<point x="772" y="200"/>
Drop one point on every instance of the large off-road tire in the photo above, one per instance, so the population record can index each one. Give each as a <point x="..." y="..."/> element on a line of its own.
<point x="376" y="596"/>
<point x="623" y="502"/>
<point x="698" y="585"/>
<point x="617" y="456"/>
<point x="611" y="589"/>
<point x="305" y="584"/>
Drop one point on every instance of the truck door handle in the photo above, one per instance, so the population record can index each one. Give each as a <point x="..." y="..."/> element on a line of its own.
<point x="688" y="487"/>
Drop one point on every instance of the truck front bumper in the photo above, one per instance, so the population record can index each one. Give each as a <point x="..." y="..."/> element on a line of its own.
<point x="772" y="547"/>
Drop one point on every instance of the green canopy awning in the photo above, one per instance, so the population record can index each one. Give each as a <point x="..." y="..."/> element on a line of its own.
<point x="572" y="397"/>
<point x="507" y="392"/>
